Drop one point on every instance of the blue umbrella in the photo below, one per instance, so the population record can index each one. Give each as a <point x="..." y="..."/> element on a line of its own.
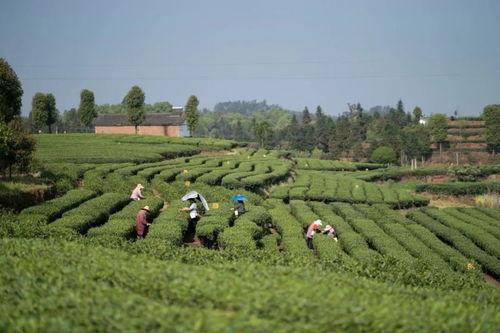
<point x="238" y="197"/>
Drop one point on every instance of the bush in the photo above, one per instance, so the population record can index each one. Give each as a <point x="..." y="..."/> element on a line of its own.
<point x="384" y="155"/>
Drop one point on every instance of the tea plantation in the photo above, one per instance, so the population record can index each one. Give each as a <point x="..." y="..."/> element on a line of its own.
<point x="73" y="263"/>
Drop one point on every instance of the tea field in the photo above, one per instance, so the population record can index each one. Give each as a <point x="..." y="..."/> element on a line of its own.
<point x="400" y="265"/>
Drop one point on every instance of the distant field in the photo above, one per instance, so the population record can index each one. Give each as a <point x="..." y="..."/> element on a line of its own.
<point x="112" y="148"/>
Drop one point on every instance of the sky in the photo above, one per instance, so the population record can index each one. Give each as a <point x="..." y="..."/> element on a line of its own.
<point x="440" y="55"/>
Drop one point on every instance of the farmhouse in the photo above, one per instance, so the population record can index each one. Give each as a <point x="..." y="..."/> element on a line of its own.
<point x="166" y="124"/>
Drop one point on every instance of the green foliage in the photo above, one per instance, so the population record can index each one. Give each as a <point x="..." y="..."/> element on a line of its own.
<point x="466" y="173"/>
<point x="44" y="112"/>
<point x="192" y="114"/>
<point x="134" y="104"/>
<point x="384" y="155"/>
<point x="115" y="291"/>
<point x="491" y="116"/>
<point x="458" y="241"/>
<point x="86" y="110"/>
<point x="460" y="188"/>
<point x="11" y="92"/>
<point x="16" y="148"/>
<point x="438" y="124"/>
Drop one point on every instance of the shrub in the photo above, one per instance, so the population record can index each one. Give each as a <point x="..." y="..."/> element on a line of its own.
<point x="384" y="155"/>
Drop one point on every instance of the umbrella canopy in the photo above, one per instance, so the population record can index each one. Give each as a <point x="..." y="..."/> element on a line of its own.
<point x="196" y="195"/>
<point x="238" y="197"/>
<point x="190" y="195"/>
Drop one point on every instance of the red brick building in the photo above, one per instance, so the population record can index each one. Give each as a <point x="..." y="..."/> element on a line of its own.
<point x="167" y="124"/>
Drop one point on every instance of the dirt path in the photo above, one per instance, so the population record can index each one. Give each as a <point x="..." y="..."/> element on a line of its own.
<point x="191" y="240"/>
<point x="491" y="280"/>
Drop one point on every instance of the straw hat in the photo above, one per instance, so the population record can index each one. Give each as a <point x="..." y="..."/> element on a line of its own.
<point x="328" y="228"/>
<point x="145" y="208"/>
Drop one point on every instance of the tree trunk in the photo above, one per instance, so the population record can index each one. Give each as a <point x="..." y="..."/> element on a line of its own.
<point x="50" y="128"/>
<point x="441" y="151"/>
<point x="135" y="129"/>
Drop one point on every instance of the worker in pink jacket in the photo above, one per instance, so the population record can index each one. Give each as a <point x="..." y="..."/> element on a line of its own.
<point x="311" y="230"/>
<point x="136" y="193"/>
<point x="141" y="223"/>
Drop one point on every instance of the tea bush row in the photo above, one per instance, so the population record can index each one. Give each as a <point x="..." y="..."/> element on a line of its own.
<point x="453" y="237"/>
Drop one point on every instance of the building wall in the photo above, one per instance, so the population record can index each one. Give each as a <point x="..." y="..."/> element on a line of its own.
<point x="114" y="130"/>
<point x="144" y="130"/>
<point x="172" y="131"/>
<point x="151" y="130"/>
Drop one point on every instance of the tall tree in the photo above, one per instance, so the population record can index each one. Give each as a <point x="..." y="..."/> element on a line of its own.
<point x="322" y="130"/>
<point x="10" y="93"/>
<point x="87" y="111"/>
<point x="417" y="141"/>
<point x="44" y="112"/>
<point x="417" y="115"/>
<point x="491" y="116"/>
<point x="306" y="116"/>
<point x="134" y="103"/>
<point x="192" y="114"/>
<point x="263" y="132"/>
<point x="438" y="125"/>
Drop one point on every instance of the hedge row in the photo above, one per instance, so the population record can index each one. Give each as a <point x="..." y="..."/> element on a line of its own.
<point x="476" y="218"/>
<point x="98" y="289"/>
<point x="292" y="234"/>
<point x="460" y="188"/>
<point x="351" y="242"/>
<point x="90" y="213"/>
<point x="459" y="241"/>
<point x="490" y="212"/>
<point x="479" y="236"/>
<point x="52" y="209"/>
<point x="170" y="226"/>
<point x="121" y="224"/>
<point x="449" y="254"/>
<point x="213" y="223"/>
<point x="246" y="230"/>
<point x="321" y="186"/>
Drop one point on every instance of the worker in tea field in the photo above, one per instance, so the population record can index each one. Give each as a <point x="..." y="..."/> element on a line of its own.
<point x="194" y="216"/>
<point x="330" y="232"/>
<point x="311" y="230"/>
<point x="239" y="208"/>
<point x="136" y="193"/>
<point x="141" y="223"/>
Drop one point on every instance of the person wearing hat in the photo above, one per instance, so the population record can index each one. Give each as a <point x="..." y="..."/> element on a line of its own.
<point x="136" y="193"/>
<point x="330" y="232"/>
<point x="311" y="230"/>
<point x="239" y="208"/>
<point x="141" y="223"/>
<point x="194" y="216"/>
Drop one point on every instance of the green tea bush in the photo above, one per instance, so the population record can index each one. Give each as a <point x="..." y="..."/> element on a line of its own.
<point x="480" y="237"/>
<point x="54" y="208"/>
<point x="459" y="241"/>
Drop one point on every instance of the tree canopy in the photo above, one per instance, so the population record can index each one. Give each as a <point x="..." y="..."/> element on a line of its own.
<point x="43" y="110"/>
<point x="11" y="93"/>
<point x="87" y="111"/>
<point x="192" y="114"/>
<point x="491" y="116"/>
<point x="134" y="104"/>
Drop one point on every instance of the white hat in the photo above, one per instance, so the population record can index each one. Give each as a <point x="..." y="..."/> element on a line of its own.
<point x="318" y="222"/>
<point x="328" y="228"/>
<point x="145" y="208"/>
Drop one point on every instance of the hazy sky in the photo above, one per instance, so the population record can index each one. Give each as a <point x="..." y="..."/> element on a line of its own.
<point x="442" y="55"/>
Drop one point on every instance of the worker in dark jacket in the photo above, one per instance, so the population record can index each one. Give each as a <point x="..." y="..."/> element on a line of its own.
<point x="141" y="223"/>
<point x="239" y="208"/>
